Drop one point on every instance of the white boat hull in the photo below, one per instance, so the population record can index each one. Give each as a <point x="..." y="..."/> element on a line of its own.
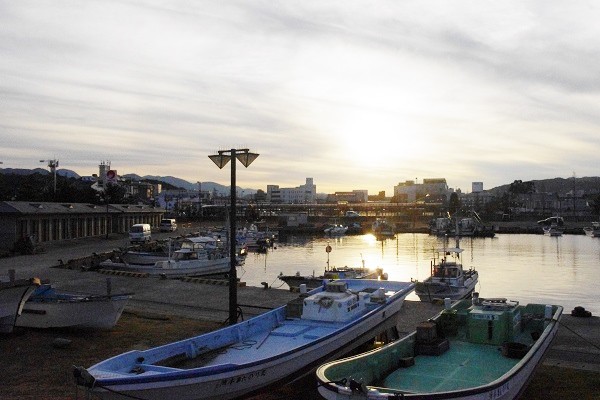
<point x="12" y="298"/>
<point x="174" y="269"/>
<point x="93" y="314"/>
<point x="433" y="291"/>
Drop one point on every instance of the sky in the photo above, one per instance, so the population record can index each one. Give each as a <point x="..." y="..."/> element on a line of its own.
<point x="358" y="95"/>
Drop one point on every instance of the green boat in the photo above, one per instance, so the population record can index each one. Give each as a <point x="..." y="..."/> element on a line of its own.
<point x="474" y="349"/>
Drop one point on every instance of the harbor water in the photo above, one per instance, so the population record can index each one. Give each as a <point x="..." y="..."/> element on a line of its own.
<point x="525" y="267"/>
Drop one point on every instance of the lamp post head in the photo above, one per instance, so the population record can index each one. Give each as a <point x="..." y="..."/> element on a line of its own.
<point x="243" y="155"/>
<point x="246" y="158"/>
<point x="220" y="159"/>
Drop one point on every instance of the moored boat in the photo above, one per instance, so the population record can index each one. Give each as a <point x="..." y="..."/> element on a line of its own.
<point x="312" y="281"/>
<point x="381" y="228"/>
<point x="48" y="307"/>
<point x="196" y="256"/>
<point x="553" y="226"/>
<point x="272" y="348"/>
<point x="592" y="231"/>
<point x="485" y="349"/>
<point x="447" y="278"/>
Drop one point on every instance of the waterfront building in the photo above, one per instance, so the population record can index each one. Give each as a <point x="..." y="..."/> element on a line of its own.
<point x="433" y="189"/>
<point x="355" y="196"/>
<point x="303" y="194"/>
<point x="51" y="222"/>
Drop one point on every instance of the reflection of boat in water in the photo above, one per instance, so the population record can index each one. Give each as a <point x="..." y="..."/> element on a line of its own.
<point x="275" y="347"/>
<point x="448" y="279"/>
<point x="592" y="231"/>
<point x="553" y="226"/>
<point x="485" y="349"/>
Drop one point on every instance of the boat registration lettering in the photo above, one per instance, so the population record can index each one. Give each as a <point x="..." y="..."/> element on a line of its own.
<point x="487" y="317"/>
<point x="499" y="391"/>
<point x="242" y="378"/>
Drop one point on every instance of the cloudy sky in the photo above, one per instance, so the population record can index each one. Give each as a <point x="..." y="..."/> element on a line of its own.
<point x="355" y="94"/>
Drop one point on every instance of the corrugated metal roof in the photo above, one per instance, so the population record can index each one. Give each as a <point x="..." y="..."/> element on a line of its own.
<point x="26" y="207"/>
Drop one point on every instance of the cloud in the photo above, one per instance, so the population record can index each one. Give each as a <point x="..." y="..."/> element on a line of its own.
<point x="355" y="95"/>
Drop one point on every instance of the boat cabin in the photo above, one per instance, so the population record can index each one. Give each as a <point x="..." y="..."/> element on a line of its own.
<point x="338" y="304"/>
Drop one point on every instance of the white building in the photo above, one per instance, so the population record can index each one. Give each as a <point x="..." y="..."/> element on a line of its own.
<point x="303" y="194"/>
<point x="434" y="189"/>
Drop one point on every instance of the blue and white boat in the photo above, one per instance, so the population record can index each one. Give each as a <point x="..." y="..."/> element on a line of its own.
<point x="13" y="294"/>
<point x="271" y="349"/>
<point x="48" y="307"/>
<point x="474" y="350"/>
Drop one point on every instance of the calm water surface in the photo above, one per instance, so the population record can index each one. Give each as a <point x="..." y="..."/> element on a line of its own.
<point x="528" y="268"/>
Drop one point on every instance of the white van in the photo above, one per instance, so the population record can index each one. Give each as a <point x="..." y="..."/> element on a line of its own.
<point x="168" y="225"/>
<point x="140" y="233"/>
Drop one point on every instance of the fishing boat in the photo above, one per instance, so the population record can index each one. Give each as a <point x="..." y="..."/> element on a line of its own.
<point x="592" y="231"/>
<point x="447" y="278"/>
<point x="336" y="230"/>
<point x="381" y="228"/>
<point x="271" y="349"/>
<point x="552" y="226"/>
<point x="48" y="307"/>
<point x="476" y="350"/>
<point x="312" y="281"/>
<point x="197" y="256"/>
<point x="13" y="294"/>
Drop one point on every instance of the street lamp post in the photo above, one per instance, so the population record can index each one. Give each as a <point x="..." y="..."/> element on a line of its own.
<point x="221" y="159"/>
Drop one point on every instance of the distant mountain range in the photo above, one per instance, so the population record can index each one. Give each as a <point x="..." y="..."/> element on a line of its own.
<point x="170" y="180"/>
<point x="555" y="185"/>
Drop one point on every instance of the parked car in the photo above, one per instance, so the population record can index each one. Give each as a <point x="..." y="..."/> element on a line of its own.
<point x="140" y="233"/>
<point x="168" y="225"/>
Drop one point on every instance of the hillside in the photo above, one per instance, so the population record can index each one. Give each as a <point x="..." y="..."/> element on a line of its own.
<point x="558" y="185"/>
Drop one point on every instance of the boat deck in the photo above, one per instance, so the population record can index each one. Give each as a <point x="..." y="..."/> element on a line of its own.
<point x="463" y="366"/>
<point x="289" y="335"/>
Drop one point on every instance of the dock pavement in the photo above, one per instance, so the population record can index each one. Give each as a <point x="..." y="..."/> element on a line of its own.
<point x="576" y="346"/>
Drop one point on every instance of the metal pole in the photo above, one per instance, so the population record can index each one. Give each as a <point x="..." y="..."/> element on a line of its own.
<point x="232" y="235"/>
<point x="107" y="217"/>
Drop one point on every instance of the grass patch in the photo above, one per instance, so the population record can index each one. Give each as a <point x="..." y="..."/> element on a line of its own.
<point x="32" y="368"/>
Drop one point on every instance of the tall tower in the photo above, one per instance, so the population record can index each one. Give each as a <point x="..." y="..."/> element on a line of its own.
<point x="103" y="168"/>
